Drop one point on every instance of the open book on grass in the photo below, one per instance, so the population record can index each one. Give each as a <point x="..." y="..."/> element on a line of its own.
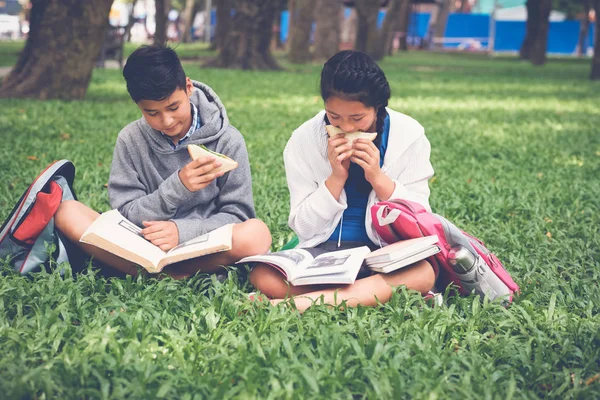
<point x="402" y="254"/>
<point x="117" y="235"/>
<point x="301" y="268"/>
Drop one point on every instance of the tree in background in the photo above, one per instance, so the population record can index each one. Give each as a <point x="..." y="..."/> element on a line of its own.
<point x="223" y="24"/>
<point x="62" y="47"/>
<point x="536" y="37"/>
<point x="327" y="32"/>
<point x="162" y="21"/>
<point x="390" y="26"/>
<point x="403" y="24"/>
<point x="584" y="27"/>
<point x="437" y="25"/>
<point x="189" y="11"/>
<point x="247" y="45"/>
<point x="130" y="21"/>
<point x="302" y="17"/>
<point x="595" y="74"/>
<point x="367" y="33"/>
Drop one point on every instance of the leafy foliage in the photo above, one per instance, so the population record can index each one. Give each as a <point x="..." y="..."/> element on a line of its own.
<point x="517" y="155"/>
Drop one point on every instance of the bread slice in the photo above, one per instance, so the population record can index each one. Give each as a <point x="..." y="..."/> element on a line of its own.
<point x="352" y="136"/>
<point x="197" y="151"/>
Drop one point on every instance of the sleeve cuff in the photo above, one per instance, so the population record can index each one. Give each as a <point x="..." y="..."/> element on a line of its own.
<point x="326" y="205"/>
<point x="173" y="191"/>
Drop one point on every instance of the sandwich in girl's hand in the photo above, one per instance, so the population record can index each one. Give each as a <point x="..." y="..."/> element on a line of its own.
<point x="352" y="136"/>
<point x="227" y="164"/>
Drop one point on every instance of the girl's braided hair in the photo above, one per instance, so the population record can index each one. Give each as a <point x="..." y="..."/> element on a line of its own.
<point x="355" y="76"/>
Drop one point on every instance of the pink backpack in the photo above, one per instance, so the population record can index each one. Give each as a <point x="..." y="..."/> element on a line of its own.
<point x="402" y="219"/>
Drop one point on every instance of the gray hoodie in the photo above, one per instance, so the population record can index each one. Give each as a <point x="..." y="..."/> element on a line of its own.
<point x="144" y="182"/>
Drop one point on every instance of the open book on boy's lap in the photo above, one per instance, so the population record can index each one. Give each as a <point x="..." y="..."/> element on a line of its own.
<point x="114" y="233"/>
<point x="300" y="268"/>
<point x="402" y="254"/>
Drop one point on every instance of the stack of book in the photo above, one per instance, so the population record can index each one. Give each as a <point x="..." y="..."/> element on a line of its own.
<point x="402" y="254"/>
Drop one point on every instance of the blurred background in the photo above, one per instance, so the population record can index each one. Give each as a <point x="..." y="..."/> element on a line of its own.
<point x="246" y="33"/>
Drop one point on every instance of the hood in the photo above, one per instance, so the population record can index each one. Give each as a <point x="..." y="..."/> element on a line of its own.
<point x="212" y="114"/>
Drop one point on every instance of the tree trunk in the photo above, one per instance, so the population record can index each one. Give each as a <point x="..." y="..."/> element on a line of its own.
<point x="540" y="43"/>
<point x="302" y="26"/>
<point x="367" y="34"/>
<point x="584" y="26"/>
<point x="62" y="47"/>
<point x="130" y="22"/>
<point x="187" y="18"/>
<point x="404" y="23"/>
<point x="247" y="44"/>
<point x="388" y="30"/>
<point x="327" y="33"/>
<point x="531" y="28"/>
<point x="276" y="39"/>
<point x="162" y="21"/>
<point x="439" y="28"/>
<point x="595" y="74"/>
<point x="223" y="14"/>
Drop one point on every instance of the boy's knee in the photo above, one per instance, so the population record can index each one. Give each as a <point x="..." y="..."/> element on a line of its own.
<point x="252" y="237"/>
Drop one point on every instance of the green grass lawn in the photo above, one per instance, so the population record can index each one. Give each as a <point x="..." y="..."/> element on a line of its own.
<point x="516" y="151"/>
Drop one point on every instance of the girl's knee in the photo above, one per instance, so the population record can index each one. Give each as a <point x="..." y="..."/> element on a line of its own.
<point x="268" y="281"/>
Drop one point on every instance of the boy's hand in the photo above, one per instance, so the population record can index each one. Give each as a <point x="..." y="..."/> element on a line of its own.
<point x="197" y="174"/>
<point x="163" y="234"/>
<point x="338" y="153"/>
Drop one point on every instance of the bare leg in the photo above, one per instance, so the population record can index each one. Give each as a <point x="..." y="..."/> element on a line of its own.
<point x="249" y="238"/>
<point x="367" y="291"/>
<point x="72" y="219"/>
<point x="274" y="285"/>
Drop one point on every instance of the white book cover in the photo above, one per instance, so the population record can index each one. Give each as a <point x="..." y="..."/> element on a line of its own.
<point x="117" y="235"/>
<point x="390" y="266"/>
<point x="401" y="250"/>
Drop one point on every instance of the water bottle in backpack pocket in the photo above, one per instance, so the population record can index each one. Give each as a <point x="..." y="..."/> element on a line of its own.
<point x="463" y="260"/>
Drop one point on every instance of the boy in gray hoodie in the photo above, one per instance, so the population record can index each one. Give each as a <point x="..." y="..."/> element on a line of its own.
<point x="155" y="184"/>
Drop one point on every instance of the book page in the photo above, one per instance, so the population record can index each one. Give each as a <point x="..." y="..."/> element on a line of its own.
<point x="115" y="234"/>
<point x="291" y="261"/>
<point x="211" y="242"/>
<point x="336" y="262"/>
<point x="338" y="267"/>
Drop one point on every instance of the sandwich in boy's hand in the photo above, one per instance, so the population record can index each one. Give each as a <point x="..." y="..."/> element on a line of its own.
<point x="227" y="164"/>
<point x="352" y="136"/>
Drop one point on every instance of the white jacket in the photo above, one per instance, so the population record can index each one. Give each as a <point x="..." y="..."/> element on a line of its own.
<point x="314" y="212"/>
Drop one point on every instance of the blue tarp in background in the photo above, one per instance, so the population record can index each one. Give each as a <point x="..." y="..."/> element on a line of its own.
<point x="562" y="36"/>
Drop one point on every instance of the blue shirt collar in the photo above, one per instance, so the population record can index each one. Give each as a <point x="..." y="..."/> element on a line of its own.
<point x="196" y="123"/>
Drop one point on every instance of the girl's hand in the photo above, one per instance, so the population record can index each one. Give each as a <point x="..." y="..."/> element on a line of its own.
<point x="163" y="234"/>
<point x="338" y="154"/>
<point x="367" y="156"/>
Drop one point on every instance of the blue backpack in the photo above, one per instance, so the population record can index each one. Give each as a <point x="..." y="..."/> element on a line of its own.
<point x="29" y="229"/>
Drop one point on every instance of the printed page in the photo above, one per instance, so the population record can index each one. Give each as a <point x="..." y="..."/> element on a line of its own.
<point x="211" y="242"/>
<point x="117" y="235"/>
<point x="290" y="261"/>
<point x="336" y="262"/>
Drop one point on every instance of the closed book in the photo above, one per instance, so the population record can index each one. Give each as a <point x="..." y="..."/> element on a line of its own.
<point x="390" y="266"/>
<point x="401" y="250"/>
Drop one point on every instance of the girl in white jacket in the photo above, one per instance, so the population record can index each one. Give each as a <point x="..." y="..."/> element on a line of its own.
<point x="333" y="184"/>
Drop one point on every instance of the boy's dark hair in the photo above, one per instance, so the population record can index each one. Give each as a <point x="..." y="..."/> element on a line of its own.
<point x="153" y="73"/>
<point x="355" y="76"/>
